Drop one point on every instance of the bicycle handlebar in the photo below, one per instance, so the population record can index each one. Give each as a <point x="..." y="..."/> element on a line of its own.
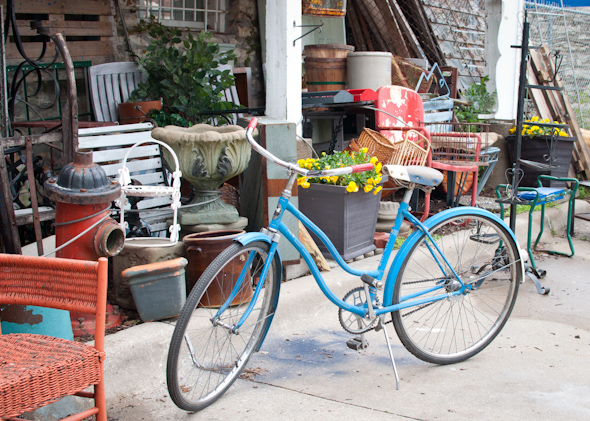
<point x="296" y="168"/>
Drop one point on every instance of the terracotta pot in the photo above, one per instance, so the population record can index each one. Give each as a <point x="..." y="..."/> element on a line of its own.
<point x="136" y="112"/>
<point x="201" y="249"/>
<point x="458" y="181"/>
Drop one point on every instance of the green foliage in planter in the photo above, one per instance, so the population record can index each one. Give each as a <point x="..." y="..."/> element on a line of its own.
<point x="184" y="72"/>
<point x="163" y="118"/>
<point x="481" y="102"/>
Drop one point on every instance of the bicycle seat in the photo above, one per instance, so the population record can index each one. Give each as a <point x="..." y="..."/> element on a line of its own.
<point x="425" y="176"/>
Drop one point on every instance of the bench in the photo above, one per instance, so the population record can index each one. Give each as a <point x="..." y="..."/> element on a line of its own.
<point x="110" y="145"/>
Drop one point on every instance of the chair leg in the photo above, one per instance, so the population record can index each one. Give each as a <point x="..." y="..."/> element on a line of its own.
<point x="100" y="401"/>
<point x="528" y="238"/>
<point x="474" y="190"/>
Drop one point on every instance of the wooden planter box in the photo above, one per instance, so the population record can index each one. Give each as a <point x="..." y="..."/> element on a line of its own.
<point x="348" y="219"/>
<point x="537" y="149"/>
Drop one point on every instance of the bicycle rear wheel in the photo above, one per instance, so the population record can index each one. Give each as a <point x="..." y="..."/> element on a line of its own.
<point x="207" y="353"/>
<point x="486" y="258"/>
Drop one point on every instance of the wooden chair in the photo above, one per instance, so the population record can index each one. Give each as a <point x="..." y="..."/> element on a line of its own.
<point x="36" y="370"/>
<point x="110" y="85"/>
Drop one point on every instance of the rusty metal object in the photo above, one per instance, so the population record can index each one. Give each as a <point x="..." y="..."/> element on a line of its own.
<point x="70" y="114"/>
<point x="82" y="183"/>
<point x="33" y="194"/>
<point x="10" y="237"/>
<point x="83" y="194"/>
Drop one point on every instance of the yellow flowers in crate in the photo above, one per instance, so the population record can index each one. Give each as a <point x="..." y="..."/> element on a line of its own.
<point x="366" y="181"/>
<point x="533" y="129"/>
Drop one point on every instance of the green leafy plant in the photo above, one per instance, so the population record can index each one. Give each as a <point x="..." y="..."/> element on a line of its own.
<point x="366" y="181"/>
<point x="480" y="102"/>
<point x="184" y="73"/>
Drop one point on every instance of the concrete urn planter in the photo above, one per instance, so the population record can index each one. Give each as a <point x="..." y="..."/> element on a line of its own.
<point x="208" y="157"/>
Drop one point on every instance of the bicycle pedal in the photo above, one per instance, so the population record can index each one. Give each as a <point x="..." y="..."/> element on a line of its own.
<point x="357" y="343"/>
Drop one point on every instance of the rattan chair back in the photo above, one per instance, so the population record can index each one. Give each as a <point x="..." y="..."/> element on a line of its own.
<point x="36" y="370"/>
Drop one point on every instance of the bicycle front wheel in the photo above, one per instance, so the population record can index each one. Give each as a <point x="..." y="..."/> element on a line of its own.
<point x="486" y="259"/>
<point x="208" y="351"/>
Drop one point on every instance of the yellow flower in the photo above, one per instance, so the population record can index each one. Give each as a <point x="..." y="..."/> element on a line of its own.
<point x="535" y="118"/>
<point x="378" y="167"/>
<point x="374" y="160"/>
<point x="563" y="134"/>
<point x="352" y="187"/>
<point x="377" y="189"/>
<point x="378" y="180"/>
<point x="368" y="188"/>
<point x="513" y="130"/>
<point x="364" y="150"/>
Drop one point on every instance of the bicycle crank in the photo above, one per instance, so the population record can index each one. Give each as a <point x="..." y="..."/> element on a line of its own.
<point x="353" y="323"/>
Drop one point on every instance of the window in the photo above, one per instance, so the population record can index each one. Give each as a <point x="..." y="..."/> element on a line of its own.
<point x="199" y="14"/>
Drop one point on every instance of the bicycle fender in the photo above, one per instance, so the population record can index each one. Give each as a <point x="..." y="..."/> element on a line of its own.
<point x="429" y="223"/>
<point x="251" y="237"/>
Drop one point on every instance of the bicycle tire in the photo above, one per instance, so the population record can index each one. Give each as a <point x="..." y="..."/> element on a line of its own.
<point x="205" y="357"/>
<point x="451" y="330"/>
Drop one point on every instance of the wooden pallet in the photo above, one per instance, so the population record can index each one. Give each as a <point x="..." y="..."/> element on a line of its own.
<point x="87" y="26"/>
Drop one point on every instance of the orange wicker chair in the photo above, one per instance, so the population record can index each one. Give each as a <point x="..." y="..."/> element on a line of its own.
<point x="36" y="370"/>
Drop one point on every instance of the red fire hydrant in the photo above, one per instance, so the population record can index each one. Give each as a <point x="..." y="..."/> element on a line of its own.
<point x="83" y="194"/>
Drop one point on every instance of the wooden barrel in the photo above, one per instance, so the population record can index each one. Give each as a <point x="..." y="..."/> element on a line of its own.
<point x="327" y="50"/>
<point x="325" y="74"/>
<point x="325" y="66"/>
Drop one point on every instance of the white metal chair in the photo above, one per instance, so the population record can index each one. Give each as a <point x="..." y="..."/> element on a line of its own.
<point x="173" y="191"/>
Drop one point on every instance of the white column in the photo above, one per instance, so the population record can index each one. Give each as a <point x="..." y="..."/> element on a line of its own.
<point x="504" y="19"/>
<point x="283" y="61"/>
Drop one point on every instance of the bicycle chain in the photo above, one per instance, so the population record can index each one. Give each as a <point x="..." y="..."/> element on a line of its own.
<point x="391" y="319"/>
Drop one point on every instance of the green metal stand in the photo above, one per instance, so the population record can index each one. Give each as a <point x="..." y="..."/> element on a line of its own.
<point x="540" y="196"/>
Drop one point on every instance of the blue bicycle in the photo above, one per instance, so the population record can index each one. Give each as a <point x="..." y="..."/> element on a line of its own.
<point x="449" y="289"/>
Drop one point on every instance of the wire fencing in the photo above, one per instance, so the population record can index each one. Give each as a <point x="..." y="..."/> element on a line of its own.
<point x="566" y="32"/>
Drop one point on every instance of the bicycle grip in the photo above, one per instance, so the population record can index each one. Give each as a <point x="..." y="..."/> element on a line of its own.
<point x="252" y="124"/>
<point x="362" y="167"/>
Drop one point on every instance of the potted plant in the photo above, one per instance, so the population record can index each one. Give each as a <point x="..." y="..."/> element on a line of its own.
<point x="184" y="72"/>
<point x="344" y="207"/>
<point x="546" y="145"/>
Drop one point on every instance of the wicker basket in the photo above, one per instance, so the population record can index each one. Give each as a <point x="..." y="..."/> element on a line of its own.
<point x="376" y="144"/>
<point x="409" y="151"/>
<point x="406" y="152"/>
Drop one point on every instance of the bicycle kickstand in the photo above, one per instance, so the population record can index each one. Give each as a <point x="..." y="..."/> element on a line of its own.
<point x="381" y="326"/>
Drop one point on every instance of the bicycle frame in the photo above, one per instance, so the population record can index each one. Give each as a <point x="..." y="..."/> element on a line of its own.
<point x="277" y="226"/>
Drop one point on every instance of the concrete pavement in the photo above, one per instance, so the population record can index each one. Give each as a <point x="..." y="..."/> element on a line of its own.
<point x="538" y="367"/>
